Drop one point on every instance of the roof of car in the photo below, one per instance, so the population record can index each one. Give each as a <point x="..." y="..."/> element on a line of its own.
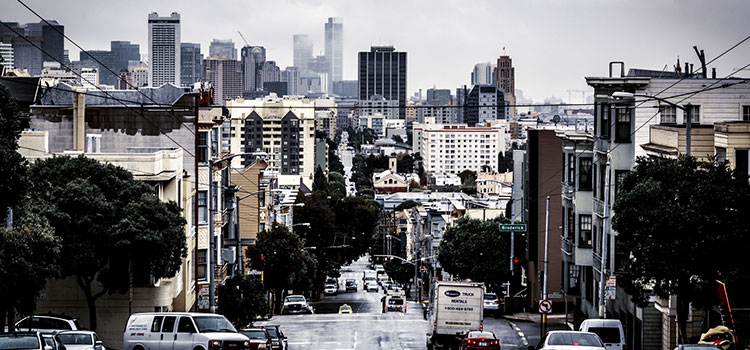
<point x="19" y="333"/>
<point x="65" y="317"/>
<point x="597" y="322"/>
<point x="252" y="329"/>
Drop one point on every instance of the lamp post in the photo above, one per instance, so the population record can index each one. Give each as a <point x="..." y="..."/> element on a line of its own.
<point x="686" y="109"/>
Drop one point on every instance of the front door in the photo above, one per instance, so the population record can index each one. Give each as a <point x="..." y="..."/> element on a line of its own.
<point x="168" y="334"/>
<point x="185" y="333"/>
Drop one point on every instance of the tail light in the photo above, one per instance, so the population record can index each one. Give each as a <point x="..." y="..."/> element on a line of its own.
<point x="496" y="301"/>
<point x="495" y="342"/>
<point x="405" y="311"/>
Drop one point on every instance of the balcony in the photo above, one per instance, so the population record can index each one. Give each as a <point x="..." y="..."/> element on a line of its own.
<point x="569" y="190"/>
<point x="567" y="247"/>
<point x="598" y="207"/>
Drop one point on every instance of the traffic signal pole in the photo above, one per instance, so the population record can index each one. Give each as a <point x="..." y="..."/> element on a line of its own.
<point x="546" y="265"/>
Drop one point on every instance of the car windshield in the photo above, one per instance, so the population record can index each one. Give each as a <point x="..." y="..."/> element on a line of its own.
<point x="607" y="334"/>
<point x="213" y="324"/>
<point x="272" y="332"/>
<point x="18" y="341"/>
<point x="491" y="296"/>
<point x="481" y="335"/>
<point x="254" y="334"/>
<point x="581" y="339"/>
<point x="295" y="299"/>
<point x="72" y="338"/>
<point x="395" y="301"/>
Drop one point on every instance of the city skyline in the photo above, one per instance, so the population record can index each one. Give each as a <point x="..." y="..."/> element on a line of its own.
<point x="553" y="44"/>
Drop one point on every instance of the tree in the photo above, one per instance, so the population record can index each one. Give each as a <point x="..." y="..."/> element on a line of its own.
<point x="400" y="271"/>
<point x="468" y="182"/>
<point x="283" y="256"/>
<point x="336" y="177"/>
<point x="506" y="162"/>
<point x="13" y="166"/>
<point x="682" y="224"/>
<point x="406" y="205"/>
<point x="319" y="181"/>
<point x="29" y="253"/>
<point x="105" y="218"/>
<point x="468" y="245"/>
<point x="242" y="300"/>
<point x="334" y="162"/>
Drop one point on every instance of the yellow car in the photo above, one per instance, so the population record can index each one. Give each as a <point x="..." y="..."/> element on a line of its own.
<point x="345" y="309"/>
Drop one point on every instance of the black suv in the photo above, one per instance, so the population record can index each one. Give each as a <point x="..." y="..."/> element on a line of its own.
<point x="351" y="285"/>
<point x="278" y="339"/>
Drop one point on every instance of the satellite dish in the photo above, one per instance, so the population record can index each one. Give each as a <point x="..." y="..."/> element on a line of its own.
<point x="556" y="119"/>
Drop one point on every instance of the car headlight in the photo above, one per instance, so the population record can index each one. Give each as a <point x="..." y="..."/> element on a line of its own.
<point x="247" y="343"/>
<point x="214" y="344"/>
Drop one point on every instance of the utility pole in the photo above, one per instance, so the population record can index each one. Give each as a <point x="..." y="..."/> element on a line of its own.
<point x="210" y="253"/>
<point x="546" y="265"/>
<point x="605" y="234"/>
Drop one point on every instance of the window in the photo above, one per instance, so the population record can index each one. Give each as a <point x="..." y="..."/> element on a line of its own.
<point x="571" y="224"/>
<point x="202" y="147"/>
<point x="668" y="114"/>
<point x="619" y="176"/>
<point x="261" y="227"/>
<point x="201" y="264"/>
<point x="202" y="207"/>
<point x="168" y="325"/>
<point x="721" y="154"/>
<point x="585" y="164"/>
<point x="156" y="323"/>
<point x="695" y="112"/>
<point x="602" y="180"/>
<point x="741" y="163"/>
<point x="746" y="113"/>
<point x="584" y="230"/>
<point x="571" y="168"/>
<point x="185" y="325"/>
<point x="622" y="124"/>
<point x="603" y="119"/>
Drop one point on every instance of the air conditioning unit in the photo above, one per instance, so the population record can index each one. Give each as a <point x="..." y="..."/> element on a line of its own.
<point x="229" y="255"/>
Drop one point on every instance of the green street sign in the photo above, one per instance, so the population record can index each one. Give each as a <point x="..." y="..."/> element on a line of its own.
<point x="512" y="227"/>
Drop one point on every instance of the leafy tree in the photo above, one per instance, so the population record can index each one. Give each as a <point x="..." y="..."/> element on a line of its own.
<point x="337" y="188"/>
<point x="105" y="218"/>
<point x="400" y="271"/>
<point x="506" y="162"/>
<point x="468" y="245"/>
<point x="356" y="219"/>
<point x="334" y="162"/>
<point x="319" y="181"/>
<point x="468" y="178"/>
<point x="13" y="166"/>
<point x="334" y="176"/>
<point x="29" y="253"/>
<point x="242" y="300"/>
<point x="397" y="138"/>
<point x="406" y="205"/>
<point x="283" y="256"/>
<point x="682" y="224"/>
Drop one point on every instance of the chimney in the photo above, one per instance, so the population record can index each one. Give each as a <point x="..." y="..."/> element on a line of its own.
<point x="687" y="69"/>
<point x="79" y="120"/>
<point x="392" y="164"/>
<point x="713" y="73"/>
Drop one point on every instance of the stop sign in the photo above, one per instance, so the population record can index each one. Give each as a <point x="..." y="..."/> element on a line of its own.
<point x="422" y="269"/>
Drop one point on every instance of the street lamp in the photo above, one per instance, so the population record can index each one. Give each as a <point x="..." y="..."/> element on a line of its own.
<point x="687" y="109"/>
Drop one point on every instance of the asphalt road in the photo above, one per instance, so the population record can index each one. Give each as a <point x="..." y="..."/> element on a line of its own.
<point x="369" y="328"/>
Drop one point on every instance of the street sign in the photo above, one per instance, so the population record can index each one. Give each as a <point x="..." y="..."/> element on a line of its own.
<point x="611" y="281"/>
<point x="422" y="269"/>
<point x="610" y="291"/>
<point x="512" y="227"/>
<point x="545" y="306"/>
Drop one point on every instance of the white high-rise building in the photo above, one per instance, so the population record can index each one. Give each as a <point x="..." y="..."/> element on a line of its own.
<point x="303" y="48"/>
<point x="483" y="74"/>
<point x="163" y="49"/>
<point x="90" y="77"/>
<point x="6" y="56"/>
<point x="334" y="51"/>
<point x="453" y="148"/>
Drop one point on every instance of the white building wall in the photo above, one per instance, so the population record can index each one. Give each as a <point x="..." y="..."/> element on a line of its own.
<point x="458" y="147"/>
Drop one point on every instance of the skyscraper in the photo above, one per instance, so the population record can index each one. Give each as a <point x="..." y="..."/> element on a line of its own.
<point x="225" y="77"/>
<point x="164" y="49"/>
<point x="382" y="71"/>
<point x="191" y="61"/>
<point x="222" y="47"/>
<point x="334" y="50"/>
<point x="27" y="56"/>
<point x="483" y="74"/>
<point x="505" y="80"/>
<point x="252" y="58"/>
<point x="116" y="59"/>
<point x="290" y="76"/>
<point x="303" y="48"/>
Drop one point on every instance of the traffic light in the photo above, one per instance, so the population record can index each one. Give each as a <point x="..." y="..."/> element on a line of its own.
<point x="515" y="260"/>
<point x="262" y="262"/>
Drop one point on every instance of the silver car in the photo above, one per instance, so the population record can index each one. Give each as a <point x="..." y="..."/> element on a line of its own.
<point x="81" y="340"/>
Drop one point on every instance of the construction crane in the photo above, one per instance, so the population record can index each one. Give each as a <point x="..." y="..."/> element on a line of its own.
<point x="243" y="38"/>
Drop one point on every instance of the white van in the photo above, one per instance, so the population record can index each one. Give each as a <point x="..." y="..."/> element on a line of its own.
<point x="609" y="331"/>
<point x="181" y="331"/>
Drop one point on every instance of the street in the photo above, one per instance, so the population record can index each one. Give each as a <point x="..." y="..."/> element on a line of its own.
<point x="346" y="158"/>
<point x="369" y="328"/>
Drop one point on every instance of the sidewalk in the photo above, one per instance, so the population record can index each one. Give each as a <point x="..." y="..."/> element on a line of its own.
<point x="558" y="319"/>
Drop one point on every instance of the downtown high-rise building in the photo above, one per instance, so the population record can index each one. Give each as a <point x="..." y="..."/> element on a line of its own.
<point x="225" y="77"/>
<point x="26" y="40"/>
<point x="251" y="60"/>
<point x="164" y="49"/>
<point x="191" y="62"/>
<point x="334" y="50"/>
<point x="505" y="81"/>
<point x="6" y="56"/>
<point x="290" y="76"/>
<point x="116" y="59"/>
<point x="382" y="71"/>
<point x="222" y="47"/>
<point x="303" y="49"/>
<point x="483" y="74"/>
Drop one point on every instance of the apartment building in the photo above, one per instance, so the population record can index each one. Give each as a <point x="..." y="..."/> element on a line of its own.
<point x="452" y="148"/>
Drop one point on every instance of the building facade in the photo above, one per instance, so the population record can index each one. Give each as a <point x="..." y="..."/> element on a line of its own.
<point x="164" y="49"/>
<point x="452" y="148"/>
<point x="334" y="32"/>
<point x="484" y="103"/>
<point x="382" y="71"/>
<point x="290" y="76"/>
<point x="222" y="48"/>
<point x="302" y="51"/>
<point x="252" y="58"/>
<point x="483" y="74"/>
<point x="505" y="81"/>
<point x="116" y="59"/>
<point x="225" y="77"/>
<point x="6" y="56"/>
<point x="191" y="62"/>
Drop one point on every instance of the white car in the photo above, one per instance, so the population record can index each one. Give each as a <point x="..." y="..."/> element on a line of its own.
<point x="570" y="340"/>
<point x="296" y="304"/>
<point x="491" y="303"/>
<point x="81" y="340"/>
<point x="371" y="287"/>
<point x="330" y="289"/>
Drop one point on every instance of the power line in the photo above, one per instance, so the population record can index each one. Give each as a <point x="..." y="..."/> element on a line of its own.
<point x="95" y="59"/>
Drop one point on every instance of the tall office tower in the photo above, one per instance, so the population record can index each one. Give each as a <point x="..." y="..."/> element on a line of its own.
<point x="27" y="55"/>
<point x="222" y="47"/>
<point x="439" y="97"/>
<point x="191" y="62"/>
<point x="225" y="77"/>
<point x="479" y="97"/>
<point x="268" y="72"/>
<point x="290" y="76"/>
<point x="483" y="74"/>
<point x="251" y="59"/>
<point x="382" y="71"/>
<point x="138" y="73"/>
<point x="163" y="49"/>
<point x="335" y="50"/>
<point x="116" y="59"/>
<point x="53" y="41"/>
<point x="6" y="56"/>
<point x="505" y="81"/>
<point x="303" y="47"/>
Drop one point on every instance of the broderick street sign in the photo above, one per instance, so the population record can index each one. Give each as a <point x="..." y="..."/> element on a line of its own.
<point x="512" y="227"/>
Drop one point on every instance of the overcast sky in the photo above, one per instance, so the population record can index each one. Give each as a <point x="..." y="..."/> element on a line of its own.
<point x="554" y="44"/>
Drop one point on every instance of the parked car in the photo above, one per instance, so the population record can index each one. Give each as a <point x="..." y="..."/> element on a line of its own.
<point x="570" y="340"/>
<point x="609" y="331"/>
<point x="278" y="339"/>
<point x="697" y="347"/>
<point x="81" y="340"/>
<point x="330" y="289"/>
<point x="351" y="285"/>
<point x="47" y="323"/>
<point x="23" y="340"/>
<point x="480" y="340"/>
<point x="259" y="338"/>
<point x="345" y="309"/>
<point x="53" y="341"/>
<point x="296" y="304"/>
<point x="181" y="330"/>
<point x="371" y="287"/>
<point x="491" y="303"/>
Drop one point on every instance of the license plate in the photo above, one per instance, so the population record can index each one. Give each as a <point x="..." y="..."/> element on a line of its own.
<point x="481" y="343"/>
